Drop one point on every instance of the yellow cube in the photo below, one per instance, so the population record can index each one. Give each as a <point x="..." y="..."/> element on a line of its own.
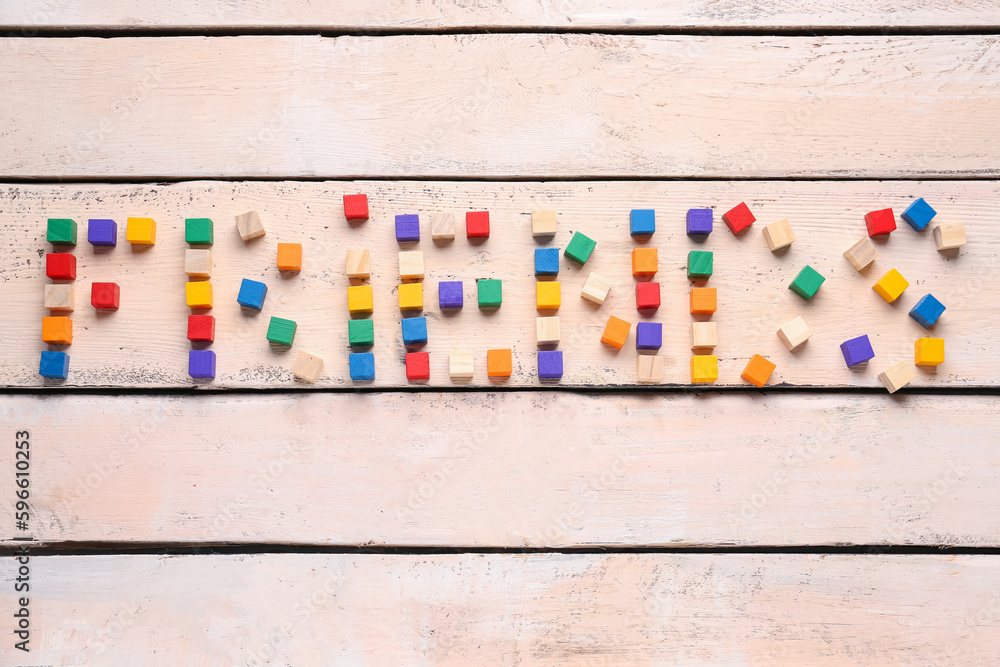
<point x="548" y="295"/>
<point x="704" y="368"/>
<point x="411" y="296"/>
<point x="891" y="285"/>
<point x="140" y="231"/>
<point x="929" y="352"/>
<point x="199" y="294"/>
<point x="360" y="299"/>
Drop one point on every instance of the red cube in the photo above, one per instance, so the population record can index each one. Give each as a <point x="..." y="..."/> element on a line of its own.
<point x="880" y="222"/>
<point x="201" y="328"/>
<point x="647" y="296"/>
<point x="356" y="207"/>
<point x="738" y="218"/>
<point x="60" y="266"/>
<point x="104" y="296"/>
<point x="418" y="366"/>
<point x="477" y="224"/>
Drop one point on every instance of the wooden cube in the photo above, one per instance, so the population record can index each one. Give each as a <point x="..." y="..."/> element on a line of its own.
<point x="861" y="254"/>
<point x="249" y="225"/>
<point x="360" y="299"/>
<point x="704" y="368"/>
<point x="649" y="369"/>
<point x="307" y="367"/>
<point x="498" y="363"/>
<point x="477" y="224"/>
<point x="703" y="300"/>
<point x="550" y="364"/>
<point x="794" y="333"/>
<point x="700" y="264"/>
<point x="779" y="235"/>
<point x="897" y="376"/>
<point x="949" y="235"/>
<point x="54" y="365"/>
<point x="489" y="292"/>
<point x="928" y="352"/>
<point x="61" y="231"/>
<point x="891" y="285"/>
<point x="547" y="330"/>
<point x="461" y="365"/>
<point x="704" y="335"/>
<point x="57" y="330"/>
<point x="289" y="257"/>
<point x="807" y="282"/>
<point x="644" y="262"/>
<point x="615" y="332"/>
<point x="198" y="294"/>
<point x="359" y="264"/>
<point x="647" y="296"/>
<point x="738" y="218"/>
<point x="596" y="288"/>
<point x="60" y="266"/>
<point x="199" y="231"/>
<point x="880" y="222"/>
<point x="580" y="248"/>
<point x="140" y="231"/>
<point x="418" y="366"/>
<point x="105" y="296"/>
<point x="411" y="265"/>
<point x="411" y="296"/>
<point x="758" y="370"/>
<point x="60" y="297"/>
<point x="356" y="207"/>
<point x="201" y="328"/>
<point x="442" y="226"/>
<point x="198" y="263"/>
<point x="543" y="223"/>
<point x="548" y="295"/>
<point x="281" y="331"/>
<point x="361" y="366"/>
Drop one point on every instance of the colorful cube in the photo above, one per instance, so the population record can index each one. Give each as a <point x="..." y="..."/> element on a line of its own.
<point x="249" y="225"/>
<point x="615" y="332"/>
<point x="794" y="333"/>
<point x="807" y="282"/>
<point x="699" y="221"/>
<point x="949" y="235"/>
<point x="251" y="294"/>
<point x="648" y="336"/>
<point x="60" y="266"/>
<point x="580" y="247"/>
<point x="779" y="235"/>
<point x="105" y="296"/>
<point x="704" y="368"/>
<point x="857" y="350"/>
<point x="704" y="335"/>
<point x="880" y="222"/>
<point x="414" y="330"/>
<point x="547" y="330"/>
<point x="54" y="365"/>
<point x="490" y="292"/>
<point x="649" y="369"/>
<point x="360" y="299"/>
<point x="645" y="262"/>
<point x="198" y="263"/>
<point x="548" y="295"/>
<point x="61" y="231"/>
<point x="918" y="214"/>
<point x="546" y="261"/>
<point x="927" y="311"/>
<point x="700" y="264"/>
<point x="358" y="264"/>
<point x="199" y="231"/>
<point x="281" y="331"/>
<point x="361" y="333"/>
<point x="356" y="207"/>
<point x="647" y="296"/>
<point x="450" y="294"/>
<point x="596" y="289"/>
<point x="361" y="366"/>
<point x="550" y="364"/>
<point x="477" y="224"/>
<point x="307" y="367"/>
<point x="758" y="370"/>
<point x="407" y="227"/>
<point x="198" y="294"/>
<point x="201" y="328"/>
<point x="201" y="364"/>
<point x="499" y="363"/>
<point x="891" y="285"/>
<point x="140" y="231"/>
<point x="738" y="218"/>
<point x="861" y="254"/>
<point x="418" y="366"/>
<point x="928" y="351"/>
<point x="543" y="223"/>
<point x="704" y="300"/>
<point x="102" y="232"/>
<point x="411" y="296"/>
<point x="60" y="297"/>
<point x="442" y="226"/>
<point x="461" y="365"/>
<point x="642" y="221"/>
<point x="289" y="257"/>
<point x="411" y="265"/>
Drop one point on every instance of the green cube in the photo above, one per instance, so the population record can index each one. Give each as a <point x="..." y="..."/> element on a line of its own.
<point x="807" y="282"/>
<point x="61" y="231"/>
<point x="700" y="263"/>
<point x="281" y="331"/>
<point x="490" y="295"/>
<point x="361" y="333"/>
<point x="199" y="231"/>
<point x="580" y="247"/>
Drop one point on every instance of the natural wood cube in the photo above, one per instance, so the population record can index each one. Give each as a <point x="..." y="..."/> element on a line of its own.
<point x="596" y="288"/>
<point x="649" y="369"/>
<point x="779" y="235"/>
<point x="411" y="264"/>
<point x="460" y="364"/>
<point x="543" y="223"/>
<point x="249" y="225"/>
<point x="704" y="335"/>
<point x="442" y="225"/>
<point x="60" y="297"/>
<point x="547" y="330"/>
<point x="359" y="264"/>
<point x="794" y="333"/>
<point x="198" y="263"/>
<point x="861" y="254"/>
<point x="949" y="235"/>
<point x="307" y="367"/>
<point x="897" y="376"/>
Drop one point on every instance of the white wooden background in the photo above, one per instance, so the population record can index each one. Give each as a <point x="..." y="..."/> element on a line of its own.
<point x="418" y="105"/>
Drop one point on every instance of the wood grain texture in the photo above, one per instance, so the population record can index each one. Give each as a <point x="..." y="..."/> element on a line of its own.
<point x="511" y="469"/>
<point x="524" y="105"/>
<point x="437" y="15"/>
<point x="144" y="344"/>
<point x="638" y="609"/>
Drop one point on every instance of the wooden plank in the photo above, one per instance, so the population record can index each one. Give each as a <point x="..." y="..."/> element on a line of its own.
<point x="510" y="469"/>
<point x="524" y="105"/>
<point x="415" y="15"/>
<point x="493" y="609"/>
<point x="144" y="343"/>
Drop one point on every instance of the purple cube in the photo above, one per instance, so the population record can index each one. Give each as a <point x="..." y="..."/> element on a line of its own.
<point x="550" y="364"/>
<point x="648" y="336"/>
<point x="450" y="294"/>
<point x="857" y="350"/>
<point x="699" y="222"/>
<point x="201" y="364"/>
<point x="102" y="232"/>
<point x="408" y="227"/>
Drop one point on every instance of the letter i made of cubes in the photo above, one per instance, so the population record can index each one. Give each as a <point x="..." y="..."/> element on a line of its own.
<point x="199" y="235"/>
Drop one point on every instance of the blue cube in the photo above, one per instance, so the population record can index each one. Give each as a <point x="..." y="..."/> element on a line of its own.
<point x="252" y="294"/>
<point x="450" y="294"/>
<point x="919" y="214"/>
<point x="927" y="311"/>
<point x="362" y="366"/>
<point x="414" y="330"/>
<point x="648" y="336"/>
<point x="546" y="261"/>
<point x="550" y="364"/>
<point x="642" y="222"/>
<point x="201" y="364"/>
<point x="102" y="232"/>
<point x="699" y="222"/>
<point x="408" y="227"/>
<point x="54" y="365"/>
<point x="857" y="350"/>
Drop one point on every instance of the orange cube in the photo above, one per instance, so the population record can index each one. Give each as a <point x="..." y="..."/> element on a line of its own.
<point x="290" y="256"/>
<point x="57" y="330"/>
<point x="644" y="262"/>
<point x="703" y="300"/>
<point x="758" y="370"/>
<point x="615" y="332"/>
<point x="498" y="363"/>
